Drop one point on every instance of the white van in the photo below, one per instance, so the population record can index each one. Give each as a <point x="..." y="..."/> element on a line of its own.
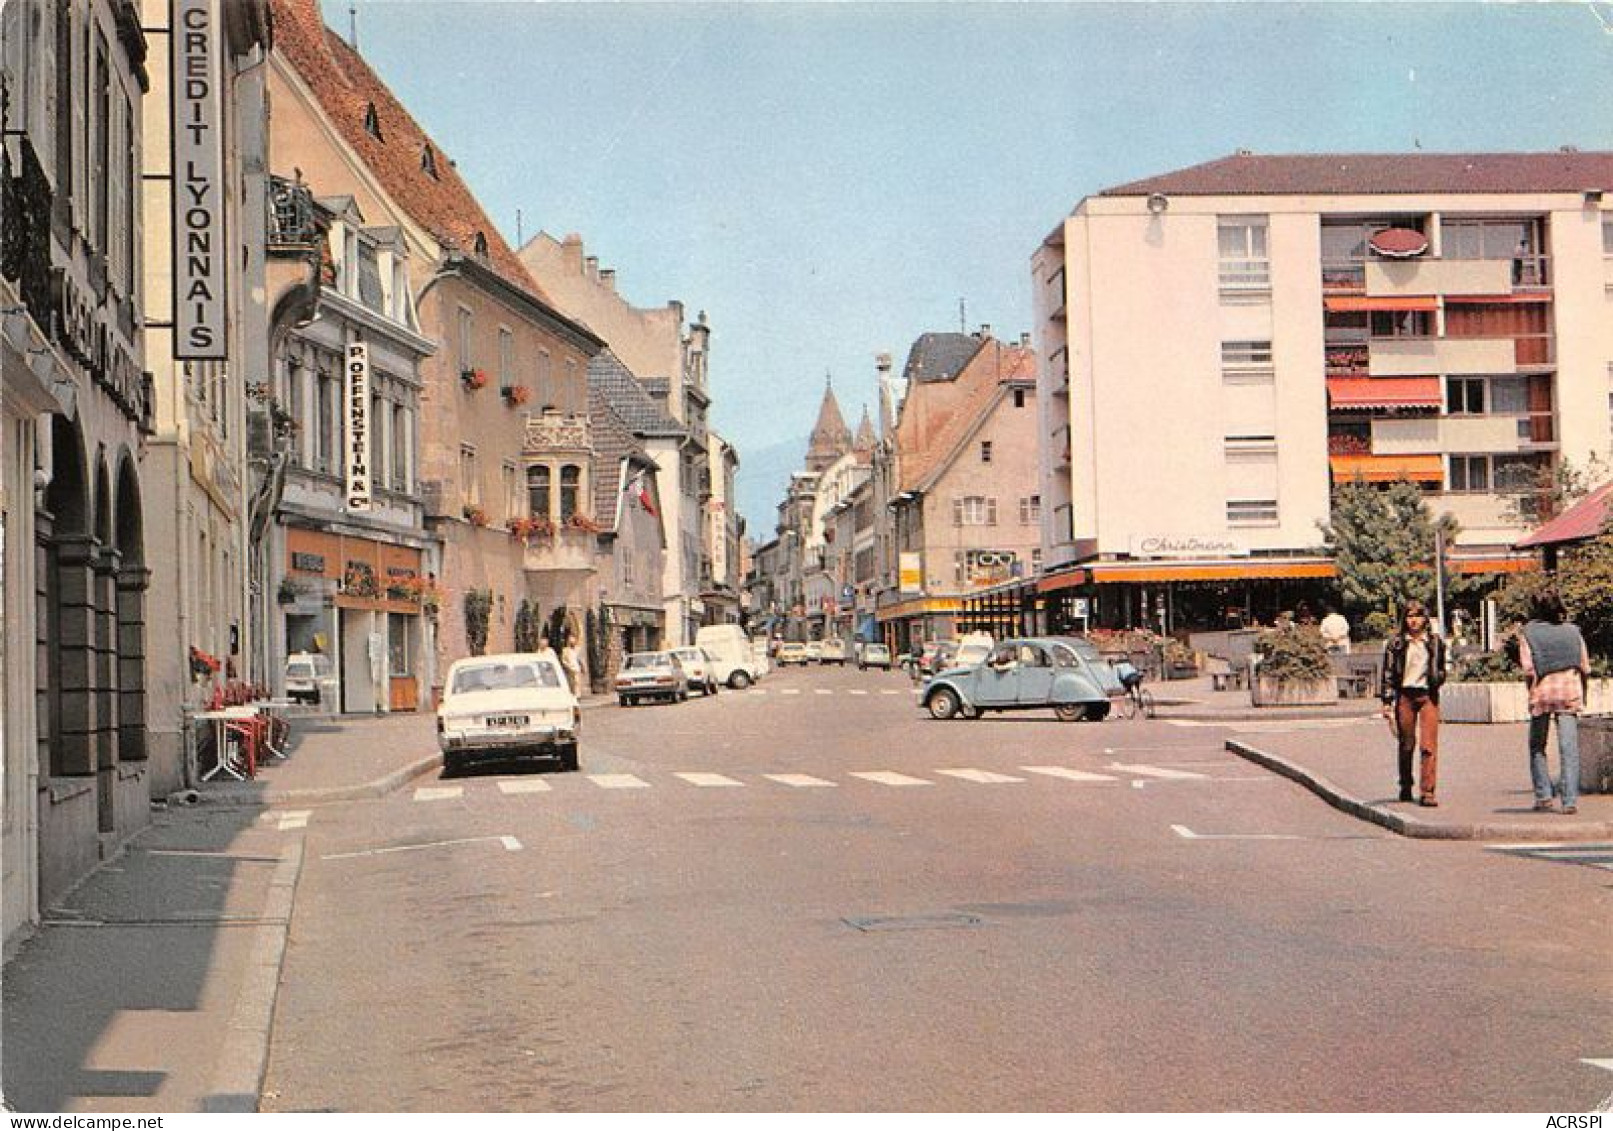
<point x="311" y="678"/>
<point x="731" y="654"/>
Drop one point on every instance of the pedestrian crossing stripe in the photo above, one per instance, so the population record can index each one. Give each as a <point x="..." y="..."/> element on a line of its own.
<point x="618" y="781"/>
<point x="1066" y="773"/>
<point x="1590" y="855"/>
<point x="1157" y="772"/>
<point x="980" y="777"/>
<point x="887" y="777"/>
<point x="710" y="781"/>
<point x="525" y="785"/>
<point x="801" y="781"/>
<point x="439" y="793"/>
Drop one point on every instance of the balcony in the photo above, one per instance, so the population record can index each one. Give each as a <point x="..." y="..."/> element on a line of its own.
<point x="550" y="432"/>
<point x="566" y="550"/>
<point x="1388" y="278"/>
<point x="1425" y="468"/>
<point x="1416" y="357"/>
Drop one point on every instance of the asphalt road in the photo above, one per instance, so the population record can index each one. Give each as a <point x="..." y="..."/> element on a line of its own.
<point x="811" y="897"/>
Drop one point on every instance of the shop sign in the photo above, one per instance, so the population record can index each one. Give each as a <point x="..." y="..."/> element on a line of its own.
<point x="308" y="563"/>
<point x="910" y="571"/>
<point x="1187" y="546"/>
<point x="358" y="426"/>
<point x="200" y="251"/>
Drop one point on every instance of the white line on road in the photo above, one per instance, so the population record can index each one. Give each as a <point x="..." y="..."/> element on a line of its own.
<point x="856" y="691"/>
<point x="822" y="691"/>
<point x="791" y="691"/>
<point x="509" y="842"/>
<point x="1157" y="772"/>
<point x="886" y="777"/>
<point x="1188" y="834"/>
<point x="1066" y="773"/>
<point x="443" y="793"/>
<point x="618" y="781"/>
<point x="801" y="781"/>
<point x="980" y="777"/>
<point x="891" y="691"/>
<point x="529" y="785"/>
<point x="294" y="819"/>
<point x="710" y="781"/>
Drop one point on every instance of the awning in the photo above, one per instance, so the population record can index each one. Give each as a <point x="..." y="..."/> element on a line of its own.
<point x="1243" y="569"/>
<point x="1579" y="523"/>
<point x="1386" y="469"/>
<point x="1384" y="392"/>
<point x="1493" y="563"/>
<point x="918" y="607"/>
<point x="1345" y="303"/>
<point x="1398" y="243"/>
<point x="1071" y="579"/>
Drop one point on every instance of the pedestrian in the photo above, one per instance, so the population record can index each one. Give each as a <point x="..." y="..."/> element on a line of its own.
<point x="1413" y="671"/>
<point x="571" y="660"/>
<point x="1556" y="665"/>
<point x="1335" y="631"/>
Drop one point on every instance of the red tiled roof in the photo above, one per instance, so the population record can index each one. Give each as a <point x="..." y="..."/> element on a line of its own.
<point x="346" y="87"/>
<point x="1579" y="523"/>
<point x="1331" y="174"/>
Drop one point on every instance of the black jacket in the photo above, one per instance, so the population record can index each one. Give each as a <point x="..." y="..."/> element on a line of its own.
<point x="1394" y="666"/>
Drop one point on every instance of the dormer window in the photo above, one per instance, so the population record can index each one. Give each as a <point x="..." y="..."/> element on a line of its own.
<point x="428" y="162"/>
<point x="372" y="122"/>
<point x="480" y="245"/>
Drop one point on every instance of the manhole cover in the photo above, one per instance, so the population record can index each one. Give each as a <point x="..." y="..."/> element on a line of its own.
<point x="938" y="922"/>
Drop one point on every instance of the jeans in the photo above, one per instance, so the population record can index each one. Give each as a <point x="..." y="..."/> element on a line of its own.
<point x="1567" y="756"/>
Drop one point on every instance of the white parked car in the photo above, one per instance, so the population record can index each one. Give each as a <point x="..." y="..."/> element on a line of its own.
<point x="874" y="656"/>
<point x="506" y="706"/>
<point x="699" y="668"/>
<point x="311" y="678"/>
<point x="651" y="675"/>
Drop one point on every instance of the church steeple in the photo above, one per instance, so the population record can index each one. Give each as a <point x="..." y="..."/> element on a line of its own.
<point x="831" y="439"/>
<point x="865" y="441"/>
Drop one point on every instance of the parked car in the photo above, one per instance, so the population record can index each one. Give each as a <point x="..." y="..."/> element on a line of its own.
<point x="700" y="668"/>
<point x="504" y="706"/>
<point x="935" y="656"/>
<point x="651" y="675"/>
<point x="814" y="651"/>
<point x="874" y="656"/>
<point x="311" y="678"/>
<point x="791" y="652"/>
<point x="731" y="654"/>
<point x="1063" y="673"/>
<point x="832" y="651"/>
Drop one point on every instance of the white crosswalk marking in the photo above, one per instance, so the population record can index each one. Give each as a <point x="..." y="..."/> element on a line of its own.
<point x="857" y="691"/>
<point x="981" y="777"/>
<point x="791" y="691"/>
<point x="1157" y="772"/>
<point x="822" y="691"/>
<point x="525" y="785"/>
<point x="618" y="781"/>
<point x="800" y="781"/>
<point x="710" y="781"/>
<point x="294" y="819"/>
<point x="442" y="793"/>
<point x="890" y="691"/>
<point x="886" y="777"/>
<point x="1066" y="773"/>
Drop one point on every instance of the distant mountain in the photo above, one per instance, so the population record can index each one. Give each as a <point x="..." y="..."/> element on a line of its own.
<point x="764" y="473"/>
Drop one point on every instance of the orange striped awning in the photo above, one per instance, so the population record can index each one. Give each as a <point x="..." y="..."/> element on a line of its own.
<point x="1494" y="563"/>
<point x="1342" y="303"/>
<point x="1386" y="469"/>
<point x="1384" y="392"/>
<point x="1241" y="569"/>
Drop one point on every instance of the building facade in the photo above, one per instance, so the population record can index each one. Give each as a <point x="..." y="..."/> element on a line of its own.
<point x="78" y="411"/>
<point x="1442" y="319"/>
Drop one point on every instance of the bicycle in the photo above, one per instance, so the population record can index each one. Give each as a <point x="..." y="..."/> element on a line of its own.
<point x="1137" y="699"/>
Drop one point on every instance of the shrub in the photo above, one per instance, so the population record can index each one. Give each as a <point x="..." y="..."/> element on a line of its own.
<point x="1489" y="667"/>
<point x="1292" y="654"/>
<point x="478" y="615"/>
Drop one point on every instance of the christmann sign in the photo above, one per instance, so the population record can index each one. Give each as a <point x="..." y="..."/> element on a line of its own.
<point x="200" y="251"/>
<point x="1187" y="546"/>
<point x="357" y="459"/>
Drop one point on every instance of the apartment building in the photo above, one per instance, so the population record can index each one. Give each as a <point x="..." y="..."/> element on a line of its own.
<point x="1221" y="345"/>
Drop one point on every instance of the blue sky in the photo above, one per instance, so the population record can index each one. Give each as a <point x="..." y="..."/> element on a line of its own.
<point x="827" y="181"/>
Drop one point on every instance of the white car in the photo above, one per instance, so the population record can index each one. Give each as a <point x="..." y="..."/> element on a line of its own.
<point x="507" y="706"/>
<point x="699" y="668"/>
<point x="311" y="678"/>
<point x="791" y="652"/>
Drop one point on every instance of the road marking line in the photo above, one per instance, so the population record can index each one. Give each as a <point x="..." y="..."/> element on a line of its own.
<point x="618" y="781"/>
<point x="801" y="781"/>
<point x="980" y="777"/>
<point x="857" y="691"/>
<point x="295" y="819"/>
<point x="1157" y="772"/>
<point x="822" y="691"/>
<point x="885" y="777"/>
<point x="525" y="786"/>
<point x="1188" y="834"/>
<point x="1599" y="1063"/>
<point x="891" y="691"/>
<point x="442" y="793"/>
<point x="1066" y="773"/>
<point x="791" y="691"/>
<point x="509" y="842"/>
<point x="710" y="781"/>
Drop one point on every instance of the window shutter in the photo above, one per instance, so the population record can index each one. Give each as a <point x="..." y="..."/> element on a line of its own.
<point x="957" y="512"/>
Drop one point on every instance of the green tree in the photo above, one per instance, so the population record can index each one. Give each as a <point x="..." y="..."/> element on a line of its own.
<point x="478" y="617"/>
<point x="1584" y="580"/>
<point x="527" y="626"/>
<point x="1382" y="542"/>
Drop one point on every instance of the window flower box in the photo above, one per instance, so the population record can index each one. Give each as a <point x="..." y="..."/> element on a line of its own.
<point x="516" y="395"/>
<point x="473" y="379"/>
<point x="476" y="516"/>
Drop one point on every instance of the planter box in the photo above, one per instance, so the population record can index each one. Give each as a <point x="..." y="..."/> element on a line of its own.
<point x="1596" y="752"/>
<point x="1507" y="702"/>
<point x="1267" y="692"/>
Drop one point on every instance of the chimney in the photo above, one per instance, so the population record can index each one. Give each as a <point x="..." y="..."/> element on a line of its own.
<point x="571" y="253"/>
<point x="985" y="330"/>
<point x="1025" y="339"/>
<point x="592" y="266"/>
<point x="607" y="276"/>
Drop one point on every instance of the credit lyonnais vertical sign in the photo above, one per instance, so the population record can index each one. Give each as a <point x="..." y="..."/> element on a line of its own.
<point x="200" y="248"/>
<point x="358" y="426"/>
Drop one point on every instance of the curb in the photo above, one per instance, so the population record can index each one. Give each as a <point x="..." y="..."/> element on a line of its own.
<point x="1412" y="827"/>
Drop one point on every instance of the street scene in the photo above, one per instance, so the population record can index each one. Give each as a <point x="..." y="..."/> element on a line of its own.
<point x="702" y="557"/>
